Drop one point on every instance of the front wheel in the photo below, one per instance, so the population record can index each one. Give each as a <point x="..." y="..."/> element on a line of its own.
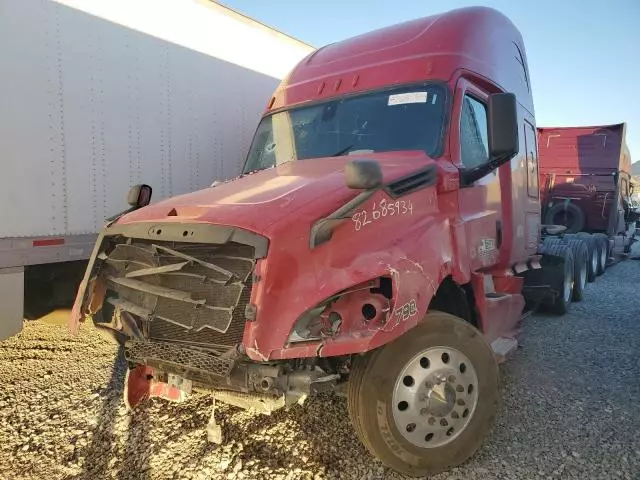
<point x="427" y="401"/>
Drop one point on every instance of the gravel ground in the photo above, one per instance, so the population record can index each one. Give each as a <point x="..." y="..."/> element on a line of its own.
<point x="570" y="394"/>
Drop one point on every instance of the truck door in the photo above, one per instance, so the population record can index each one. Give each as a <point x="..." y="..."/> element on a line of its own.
<point x="480" y="204"/>
<point x="525" y="191"/>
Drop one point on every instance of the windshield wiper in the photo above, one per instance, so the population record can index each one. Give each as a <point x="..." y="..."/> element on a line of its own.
<point x="343" y="151"/>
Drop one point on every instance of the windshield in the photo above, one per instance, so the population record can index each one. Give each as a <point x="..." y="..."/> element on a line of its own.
<point x="403" y="118"/>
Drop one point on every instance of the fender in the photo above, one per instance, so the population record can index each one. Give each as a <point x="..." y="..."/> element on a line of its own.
<point x="415" y="267"/>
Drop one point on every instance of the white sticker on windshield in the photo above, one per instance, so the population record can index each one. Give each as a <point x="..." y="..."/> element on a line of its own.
<point x="410" y="97"/>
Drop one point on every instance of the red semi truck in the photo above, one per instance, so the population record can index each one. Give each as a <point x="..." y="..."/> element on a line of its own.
<point x="585" y="179"/>
<point x="383" y="242"/>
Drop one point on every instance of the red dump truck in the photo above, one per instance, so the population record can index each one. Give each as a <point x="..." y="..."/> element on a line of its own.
<point x="585" y="180"/>
<point x="383" y="241"/>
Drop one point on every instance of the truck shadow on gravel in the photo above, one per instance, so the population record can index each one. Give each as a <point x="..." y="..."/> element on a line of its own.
<point x="316" y="435"/>
<point x="106" y="453"/>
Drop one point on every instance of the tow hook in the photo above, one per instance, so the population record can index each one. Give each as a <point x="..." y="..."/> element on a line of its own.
<point x="142" y="383"/>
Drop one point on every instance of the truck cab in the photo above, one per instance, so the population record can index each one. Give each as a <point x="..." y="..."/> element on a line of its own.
<point x="376" y="243"/>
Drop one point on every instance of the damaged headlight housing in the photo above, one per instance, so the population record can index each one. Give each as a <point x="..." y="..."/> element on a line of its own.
<point x="352" y="309"/>
<point x="314" y="324"/>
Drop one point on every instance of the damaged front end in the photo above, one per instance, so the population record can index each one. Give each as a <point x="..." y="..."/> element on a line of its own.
<point x="177" y="298"/>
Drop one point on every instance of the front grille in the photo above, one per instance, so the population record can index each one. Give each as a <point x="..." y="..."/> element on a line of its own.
<point x="187" y="293"/>
<point x="170" y="357"/>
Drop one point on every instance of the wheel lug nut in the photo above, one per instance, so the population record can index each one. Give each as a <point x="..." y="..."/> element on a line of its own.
<point x="455" y="415"/>
<point x="432" y="421"/>
<point x="460" y="388"/>
<point x="444" y="422"/>
<point x="424" y="412"/>
<point x="460" y="402"/>
<point x="452" y="379"/>
<point x="428" y="385"/>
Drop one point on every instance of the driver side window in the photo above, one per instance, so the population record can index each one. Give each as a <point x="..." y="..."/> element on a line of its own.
<point x="474" y="133"/>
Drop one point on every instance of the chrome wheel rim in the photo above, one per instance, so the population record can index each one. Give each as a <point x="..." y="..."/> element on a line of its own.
<point x="435" y="397"/>
<point x="603" y="256"/>
<point x="583" y="276"/>
<point x="568" y="286"/>
<point x="594" y="260"/>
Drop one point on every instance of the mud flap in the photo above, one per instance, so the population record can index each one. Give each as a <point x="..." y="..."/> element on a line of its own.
<point x="140" y="385"/>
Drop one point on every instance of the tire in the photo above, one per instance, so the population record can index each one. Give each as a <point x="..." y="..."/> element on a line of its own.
<point x="568" y="214"/>
<point x="547" y="242"/>
<point x="580" y="266"/>
<point x="378" y="395"/>
<point x="593" y="252"/>
<point x="603" y="241"/>
<point x="557" y="263"/>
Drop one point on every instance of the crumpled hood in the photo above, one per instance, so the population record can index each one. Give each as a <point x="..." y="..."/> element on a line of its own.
<point x="259" y="200"/>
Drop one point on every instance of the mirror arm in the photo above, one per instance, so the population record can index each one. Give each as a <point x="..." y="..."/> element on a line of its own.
<point x="322" y="230"/>
<point x="115" y="217"/>
<point x="135" y="204"/>
<point x="469" y="175"/>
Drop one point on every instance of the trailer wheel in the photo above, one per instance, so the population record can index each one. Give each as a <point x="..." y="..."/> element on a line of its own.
<point x="580" y="267"/>
<point x="558" y="267"/>
<point x="568" y="214"/>
<point x="426" y="402"/>
<point x="603" y="241"/>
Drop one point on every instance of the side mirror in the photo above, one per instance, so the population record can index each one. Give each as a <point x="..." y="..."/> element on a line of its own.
<point x="139" y="196"/>
<point x="363" y="174"/>
<point x="503" y="126"/>
<point x="503" y="137"/>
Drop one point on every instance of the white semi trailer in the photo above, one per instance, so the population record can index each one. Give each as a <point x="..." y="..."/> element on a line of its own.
<point x="99" y="95"/>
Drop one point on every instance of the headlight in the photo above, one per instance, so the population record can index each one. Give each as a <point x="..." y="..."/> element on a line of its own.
<point x="313" y="325"/>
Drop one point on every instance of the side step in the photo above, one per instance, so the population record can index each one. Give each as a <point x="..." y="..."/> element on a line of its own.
<point x="502" y="347"/>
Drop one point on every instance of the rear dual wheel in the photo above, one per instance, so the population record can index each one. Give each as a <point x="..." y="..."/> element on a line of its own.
<point x="558" y="265"/>
<point x="600" y="244"/>
<point x="580" y="267"/>
<point x="426" y="402"/>
<point x="603" y="240"/>
<point x="593" y="253"/>
<point x="580" y="262"/>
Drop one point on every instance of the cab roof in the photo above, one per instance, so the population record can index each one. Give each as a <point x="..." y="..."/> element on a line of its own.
<point x="476" y="39"/>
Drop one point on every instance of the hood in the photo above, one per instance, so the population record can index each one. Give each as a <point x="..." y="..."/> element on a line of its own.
<point x="259" y="200"/>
